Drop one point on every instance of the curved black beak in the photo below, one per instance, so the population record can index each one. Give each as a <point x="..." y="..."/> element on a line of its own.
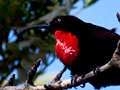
<point x="46" y="25"/>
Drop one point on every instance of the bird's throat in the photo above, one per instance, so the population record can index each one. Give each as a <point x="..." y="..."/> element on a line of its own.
<point x="67" y="47"/>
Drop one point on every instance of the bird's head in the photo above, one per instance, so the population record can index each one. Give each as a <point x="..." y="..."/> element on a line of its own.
<point x="66" y="23"/>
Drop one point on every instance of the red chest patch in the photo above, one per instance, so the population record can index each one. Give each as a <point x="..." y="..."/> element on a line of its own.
<point x="67" y="46"/>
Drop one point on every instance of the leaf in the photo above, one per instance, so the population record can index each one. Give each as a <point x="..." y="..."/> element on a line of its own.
<point x="45" y="77"/>
<point x="4" y="83"/>
<point x="89" y="2"/>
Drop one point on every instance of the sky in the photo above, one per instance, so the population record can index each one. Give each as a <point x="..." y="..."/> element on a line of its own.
<point x="102" y="13"/>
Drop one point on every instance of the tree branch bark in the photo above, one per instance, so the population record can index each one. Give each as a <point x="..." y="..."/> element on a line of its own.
<point x="65" y="84"/>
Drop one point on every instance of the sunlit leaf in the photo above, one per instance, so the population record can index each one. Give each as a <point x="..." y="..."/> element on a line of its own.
<point x="41" y="79"/>
<point x="4" y="83"/>
<point x="89" y="2"/>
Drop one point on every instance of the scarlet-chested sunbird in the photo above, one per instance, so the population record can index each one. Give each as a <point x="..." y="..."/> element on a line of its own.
<point x="83" y="46"/>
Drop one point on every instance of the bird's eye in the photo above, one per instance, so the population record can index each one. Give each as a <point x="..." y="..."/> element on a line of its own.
<point x="59" y="20"/>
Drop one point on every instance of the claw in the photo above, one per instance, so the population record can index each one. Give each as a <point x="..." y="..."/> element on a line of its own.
<point x="96" y="70"/>
<point x="73" y="80"/>
<point x="83" y="85"/>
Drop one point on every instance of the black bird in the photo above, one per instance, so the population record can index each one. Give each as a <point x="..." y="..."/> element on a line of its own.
<point x="83" y="46"/>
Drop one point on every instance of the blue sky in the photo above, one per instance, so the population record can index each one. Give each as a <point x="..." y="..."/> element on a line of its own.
<point x="102" y="13"/>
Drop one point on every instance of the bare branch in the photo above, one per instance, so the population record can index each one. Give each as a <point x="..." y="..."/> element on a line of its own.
<point x="115" y="61"/>
<point x="56" y="79"/>
<point x="118" y="16"/>
<point x="56" y="84"/>
<point x="11" y="81"/>
<point x="32" y="72"/>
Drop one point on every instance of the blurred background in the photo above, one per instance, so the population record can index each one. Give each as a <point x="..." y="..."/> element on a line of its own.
<point x="17" y="55"/>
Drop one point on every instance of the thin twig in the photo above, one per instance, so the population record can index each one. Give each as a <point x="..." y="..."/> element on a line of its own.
<point x="11" y="81"/>
<point x="118" y="16"/>
<point x="65" y="84"/>
<point x="59" y="75"/>
<point x="32" y="72"/>
<point x="56" y="79"/>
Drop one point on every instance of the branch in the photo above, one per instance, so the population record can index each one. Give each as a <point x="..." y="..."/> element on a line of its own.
<point x="115" y="61"/>
<point x="11" y="81"/>
<point x="32" y="72"/>
<point x="56" y="84"/>
<point x="118" y="16"/>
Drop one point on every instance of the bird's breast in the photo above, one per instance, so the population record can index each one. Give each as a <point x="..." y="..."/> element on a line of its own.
<point x="67" y="46"/>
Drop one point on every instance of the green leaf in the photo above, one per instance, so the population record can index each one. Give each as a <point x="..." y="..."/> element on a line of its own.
<point x="89" y="2"/>
<point x="44" y="78"/>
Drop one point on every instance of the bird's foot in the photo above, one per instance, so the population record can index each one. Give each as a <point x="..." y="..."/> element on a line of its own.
<point x="74" y="80"/>
<point x="96" y="70"/>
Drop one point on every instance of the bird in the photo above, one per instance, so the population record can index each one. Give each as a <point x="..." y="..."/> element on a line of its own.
<point x="82" y="46"/>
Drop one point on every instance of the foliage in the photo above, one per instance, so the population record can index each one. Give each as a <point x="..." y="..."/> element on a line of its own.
<point x="89" y="2"/>
<point x="21" y="52"/>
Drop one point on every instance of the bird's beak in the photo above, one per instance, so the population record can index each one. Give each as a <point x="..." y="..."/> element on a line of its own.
<point x="46" y="25"/>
